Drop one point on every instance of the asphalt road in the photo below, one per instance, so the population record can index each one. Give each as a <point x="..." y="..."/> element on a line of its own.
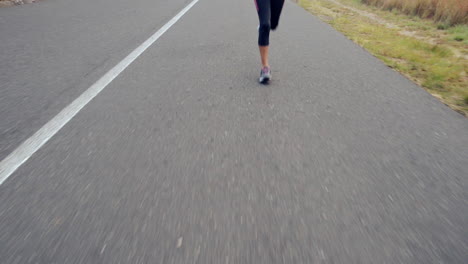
<point x="184" y="158"/>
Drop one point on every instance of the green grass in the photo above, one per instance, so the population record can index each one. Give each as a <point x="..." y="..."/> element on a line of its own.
<point x="435" y="67"/>
<point x="459" y="33"/>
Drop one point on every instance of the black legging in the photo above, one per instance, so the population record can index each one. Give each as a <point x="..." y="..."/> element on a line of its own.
<point x="269" y="12"/>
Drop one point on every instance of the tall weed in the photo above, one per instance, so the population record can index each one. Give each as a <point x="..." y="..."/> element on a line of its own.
<point x="446" y="11"/>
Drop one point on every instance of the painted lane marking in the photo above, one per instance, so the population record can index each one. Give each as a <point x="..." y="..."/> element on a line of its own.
<point x="24" y="151"/>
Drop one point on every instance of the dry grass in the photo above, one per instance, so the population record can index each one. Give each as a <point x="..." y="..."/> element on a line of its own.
<point x="447" y="11"/>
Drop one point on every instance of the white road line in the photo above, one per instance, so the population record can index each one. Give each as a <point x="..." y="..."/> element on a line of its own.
<point x="21" y="154"/>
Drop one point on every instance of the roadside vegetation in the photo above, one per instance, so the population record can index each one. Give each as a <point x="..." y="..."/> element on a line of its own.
<point x="430" y="47"/>
<point x="451" y="12"/>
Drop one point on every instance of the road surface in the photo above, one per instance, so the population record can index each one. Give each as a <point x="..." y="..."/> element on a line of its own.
<point x="184" y="158"/>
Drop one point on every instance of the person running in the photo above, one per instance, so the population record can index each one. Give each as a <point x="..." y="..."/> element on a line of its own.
<point x="269" y="12"/>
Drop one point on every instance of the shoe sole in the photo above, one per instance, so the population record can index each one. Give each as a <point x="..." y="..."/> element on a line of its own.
<point x="264" y="80"/>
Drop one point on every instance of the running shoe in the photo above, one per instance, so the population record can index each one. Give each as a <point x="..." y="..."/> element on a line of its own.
<point x="265" y="75"/>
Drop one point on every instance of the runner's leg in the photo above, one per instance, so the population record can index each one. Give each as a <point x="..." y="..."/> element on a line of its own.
<point x="276" y="8"/>
<point x="264" y="16"/>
